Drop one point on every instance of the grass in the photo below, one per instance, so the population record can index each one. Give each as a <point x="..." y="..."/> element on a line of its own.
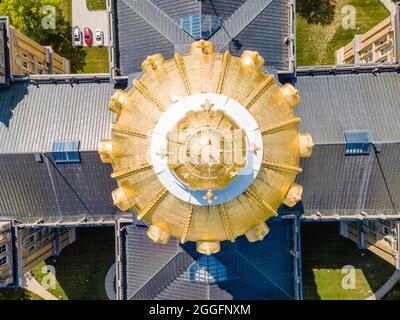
<point x="317" y="45"/>
<point x="96" y="4"/>
<point x="82" y="267"/>
<point x="66" y="7"/>
<point x="325" y="252"/>
<point x="58" y="291"/>
<point x="18" y="294"/>
<point x="96" y="60"/>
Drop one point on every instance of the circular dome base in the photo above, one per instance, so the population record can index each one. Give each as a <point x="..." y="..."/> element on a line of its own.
<point x="232" y="182"/>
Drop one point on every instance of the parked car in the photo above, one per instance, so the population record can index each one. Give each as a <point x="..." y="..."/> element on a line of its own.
<point x="77" y="36"/>
<point x="99" y="37"/>
<point x="88" y="36"/>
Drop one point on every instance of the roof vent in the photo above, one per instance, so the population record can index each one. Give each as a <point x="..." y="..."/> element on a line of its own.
<point x="358" y="143"/>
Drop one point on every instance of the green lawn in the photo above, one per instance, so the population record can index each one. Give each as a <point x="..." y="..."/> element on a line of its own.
<point x="317" y="45"/>
<point x="58" y="291"/>
<point x="325" y="252"/>
<point x="82" y="266"/>
<point x="96" y="60"/>
<point x="66" y="7"/>
<point x="96" y="4"/>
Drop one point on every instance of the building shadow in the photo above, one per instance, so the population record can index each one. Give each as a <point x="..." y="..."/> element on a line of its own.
<point x="324" y="248"/>
<point x="82" y="267"/>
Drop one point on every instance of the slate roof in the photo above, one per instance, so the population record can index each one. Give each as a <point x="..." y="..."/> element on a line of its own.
<point x="262" y="270"/>
<point x="137" y="33"/>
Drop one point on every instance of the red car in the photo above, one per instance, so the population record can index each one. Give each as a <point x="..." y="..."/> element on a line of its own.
<point x="88" y="36"/>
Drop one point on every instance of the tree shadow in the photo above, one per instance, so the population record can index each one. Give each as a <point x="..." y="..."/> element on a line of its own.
<point x="62" y="44"/>
<point x="9" y="101"/>
<point x="320" y="12"/>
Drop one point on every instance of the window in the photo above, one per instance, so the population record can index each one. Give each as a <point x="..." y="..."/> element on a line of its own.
<point x="208" y="270"/>
<point x="389" y="232"/>
<point x="3" y="261"/>
<point x="28" y="241"/>
<point x="201" y="26"/>
<point x="66" y="152"/>
<point x="3" y="248"/>
<point x="358" y="143"/>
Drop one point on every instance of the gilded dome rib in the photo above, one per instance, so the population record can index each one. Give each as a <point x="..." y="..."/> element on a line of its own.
<point x="259" y="91"/>
<point x="153" y="204"/>
<point x="186" y="226"/>
<point x="124" y="173"/>
<point x="281" y="126"/>
<point x="226" y="61"/>
<point x="117" y="128"/>
<point x="180" y="64"/>
<point x="281" y="167"/>
<point x="142" y="89"/>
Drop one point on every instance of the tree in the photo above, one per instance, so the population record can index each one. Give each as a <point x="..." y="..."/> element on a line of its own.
<point x="317" y="11"/>
<point x="27" y="16"/>
<point x="35" y="19"/>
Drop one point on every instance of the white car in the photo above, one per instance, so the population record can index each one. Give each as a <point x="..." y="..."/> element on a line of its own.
<point x="77" y="37"/>
<point x="99" y="36"/>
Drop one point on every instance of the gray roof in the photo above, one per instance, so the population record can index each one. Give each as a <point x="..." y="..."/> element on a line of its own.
<point x="335" y="184"/>
<point x="354" y="99"/>
<point x="262" y="270"/>
<point x="359" y="100"/>
<point x="32" y="191"/>
<point x="137" y="31"/>
<point x="34" y="115"/>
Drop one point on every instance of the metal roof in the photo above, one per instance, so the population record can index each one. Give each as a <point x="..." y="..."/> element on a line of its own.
<point x="69" y="193"/>
<point x="353" y="100"/>
<point x="33" y="116"/>
<point x="339" y="185"/>
<point x="154" y="27"/>
<point x="151" y="271"/>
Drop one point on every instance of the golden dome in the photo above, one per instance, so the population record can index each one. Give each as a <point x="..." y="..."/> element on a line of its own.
<point x="206" y="147"/>
<point x="210" y="149"/>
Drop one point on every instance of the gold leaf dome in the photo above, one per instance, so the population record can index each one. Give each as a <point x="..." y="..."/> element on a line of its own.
<point x="206" y="147"/>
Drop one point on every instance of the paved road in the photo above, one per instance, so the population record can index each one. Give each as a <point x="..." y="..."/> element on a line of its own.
<point x="386" y="287"/>
<point x="389" y="5"/>
<point x="109" y="283"/>
<point x="32" y="285"/>
<point x="83" y="18"/>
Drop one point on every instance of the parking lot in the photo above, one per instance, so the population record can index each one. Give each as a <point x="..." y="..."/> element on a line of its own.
<point x="83" y="18"/>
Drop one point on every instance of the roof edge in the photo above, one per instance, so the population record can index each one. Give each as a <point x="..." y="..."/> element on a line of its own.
<point x="348" y="68"/>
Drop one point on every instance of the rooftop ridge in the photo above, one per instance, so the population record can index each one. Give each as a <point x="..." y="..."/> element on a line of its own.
<point x="348" y="68"/>
<point x="63" y="78"/>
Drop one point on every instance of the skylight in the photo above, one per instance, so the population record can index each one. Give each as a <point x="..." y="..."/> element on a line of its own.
<point x="208" y="270"/>
<point x="201" y="26"/>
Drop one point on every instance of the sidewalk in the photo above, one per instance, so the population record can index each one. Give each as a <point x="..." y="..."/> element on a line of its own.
<point x="386" y="287"/>
<point x="32" y="285"/>
<point x="389" y="5"/>
<point x="109" y="283"/>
